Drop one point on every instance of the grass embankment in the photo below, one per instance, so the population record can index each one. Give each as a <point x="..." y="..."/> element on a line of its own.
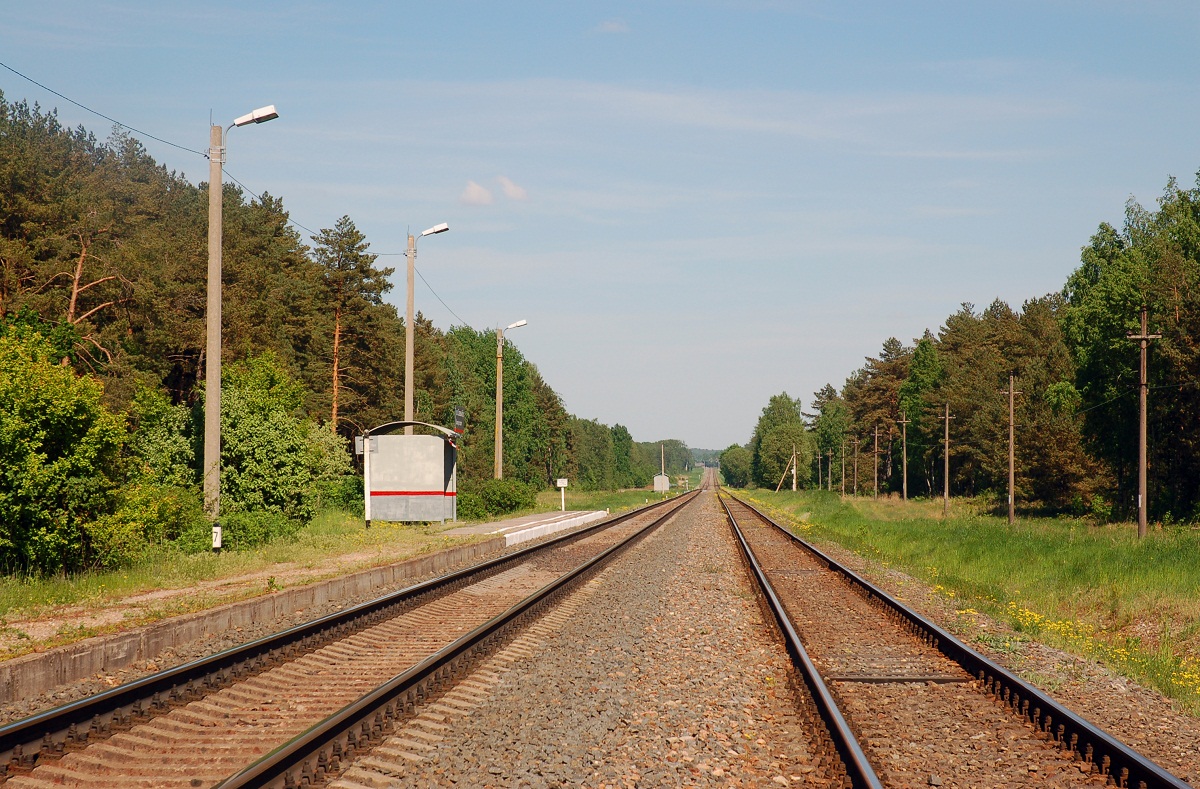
<point x="1094" y="590"/>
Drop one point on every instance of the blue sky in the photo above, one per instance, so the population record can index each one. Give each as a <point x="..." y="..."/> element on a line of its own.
<point x="695" y="205"/>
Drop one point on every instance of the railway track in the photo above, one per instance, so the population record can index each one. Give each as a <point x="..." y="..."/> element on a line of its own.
<point x="295" y="708"/>
<point x="908" y="704"/>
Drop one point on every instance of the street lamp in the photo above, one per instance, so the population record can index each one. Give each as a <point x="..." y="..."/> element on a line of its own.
<point x="499" y="473"/>
<point x="409" y="329"/>
<point x="212" y="369"/>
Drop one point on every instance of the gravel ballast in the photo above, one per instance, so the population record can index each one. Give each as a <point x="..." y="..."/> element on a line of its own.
<point x="660" y="671"/>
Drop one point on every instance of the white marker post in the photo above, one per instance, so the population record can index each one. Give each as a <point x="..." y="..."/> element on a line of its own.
<point x="216" y="537"/>
<point x="562" y="489"/>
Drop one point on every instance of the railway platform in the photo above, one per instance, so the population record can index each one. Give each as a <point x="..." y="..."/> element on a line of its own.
<point x="530" y="527"/>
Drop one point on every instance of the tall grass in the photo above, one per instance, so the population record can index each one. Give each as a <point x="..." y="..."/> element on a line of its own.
<point x="1092" y="589"/>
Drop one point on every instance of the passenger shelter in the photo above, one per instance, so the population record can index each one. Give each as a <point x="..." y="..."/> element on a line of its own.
<point x="409" y="477"/>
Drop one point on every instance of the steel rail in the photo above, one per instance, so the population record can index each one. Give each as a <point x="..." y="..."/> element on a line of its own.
<point x="1071" y="731"/>
<point x="319" y="751"/>
<point x="854" y="760"/>
<point x="24" y="742"/>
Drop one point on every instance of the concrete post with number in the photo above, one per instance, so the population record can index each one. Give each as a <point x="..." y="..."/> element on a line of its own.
<point x="212" y="348"/>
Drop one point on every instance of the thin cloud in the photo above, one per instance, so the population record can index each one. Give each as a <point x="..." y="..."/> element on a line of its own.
<point x="612" y="26"/>
<point x="511" y="190"/>
<point x="474" y="194"/>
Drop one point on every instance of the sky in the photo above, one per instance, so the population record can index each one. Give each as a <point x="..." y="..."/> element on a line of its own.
<point x="696" y="205"/>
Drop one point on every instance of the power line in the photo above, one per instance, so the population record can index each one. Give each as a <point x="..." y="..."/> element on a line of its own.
<point x="377" y="254"/>
<point x="439" y="298"/>
<point x="231" y="177"/>
<point x="250" y="192"/>
<point x="102" y="115"/>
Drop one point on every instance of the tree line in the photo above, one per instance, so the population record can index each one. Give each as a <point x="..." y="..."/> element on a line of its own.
<point x="1075" y="367"/>
<point x="102" y="324"/>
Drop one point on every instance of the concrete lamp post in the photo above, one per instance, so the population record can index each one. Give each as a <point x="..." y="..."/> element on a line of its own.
<point x="408" y="322"/>
<point x="499" y="471"/>
<point x="212" y="352"/>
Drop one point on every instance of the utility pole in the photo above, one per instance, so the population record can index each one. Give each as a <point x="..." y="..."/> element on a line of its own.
<point x="409" y="333"/>
<point x="829" y="479"/>
<point x="819" y="477"/>
<point x="856" y="467"/>
<point x="1144" y="340"/>
<point x="498" y="463"/>
<point x="875" y="491"/>
<point x="1012" y="447"/>
<point x="946" y="491"/>
<point x="793" y="468"/>
<point x="212" y="352"/>
<point x="903" y="422"/>
<point x="410" y="329"/>
<point x="843" y="480"/>
<point x="791" y="462"/>
<point x="498" y="459"/>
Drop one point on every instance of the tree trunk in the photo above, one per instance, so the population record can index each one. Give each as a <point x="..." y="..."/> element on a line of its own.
<point x="75" y="289"/>
<point x="337" y="347"/>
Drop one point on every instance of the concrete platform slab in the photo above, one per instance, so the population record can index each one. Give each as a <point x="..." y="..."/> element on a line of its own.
<point x="530" y="527"/>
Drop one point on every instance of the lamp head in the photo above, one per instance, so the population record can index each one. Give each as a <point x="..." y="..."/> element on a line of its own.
<point x="260" y="115"/>
<point x="442" y="228"/>
<point x="516" y="325"/>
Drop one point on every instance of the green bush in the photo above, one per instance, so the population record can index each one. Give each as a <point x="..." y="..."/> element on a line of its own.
<point x="148" y="516"/>
<point x="470" y="507"/>
<point x="487" y="499"/>
<point x="242" y="530"/>
<point x="502" y="496"/>
<point x="343" y="493"/>
<point x="160" y="444"/>
<point x="60" y="458"/>
<point x="270" y="455"/>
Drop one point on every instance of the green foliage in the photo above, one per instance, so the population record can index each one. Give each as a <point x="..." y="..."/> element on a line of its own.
<point x="779" y="428"/>
<point x="352" y="291"/>
<point x="830" y="428"/>
<point x="1154" y="260"/>
<point x="502" y="496"/>
<point x="735" y="466"/>
<point x="470" y="506"/>
<point x="267" y="462"/>
<point x="243" y="530"/>
<point x="103" y="284"/>
<point x="591" y="444"/>
<point x="148" y="516"/>
<point x="651" y="457"/>
<point x="161" y="443"/>
<point x="342" y="493"/>
<point x="60" y="337"/>
<point x="494" y="497"/>
<point x="59" y="458"/>
<point x="966" y="366"/>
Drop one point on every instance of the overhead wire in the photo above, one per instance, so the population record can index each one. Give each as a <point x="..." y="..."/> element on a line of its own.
<point x="102" y="115"/>
<point x="226" y="172"/>
<point x="378" y="254"/>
